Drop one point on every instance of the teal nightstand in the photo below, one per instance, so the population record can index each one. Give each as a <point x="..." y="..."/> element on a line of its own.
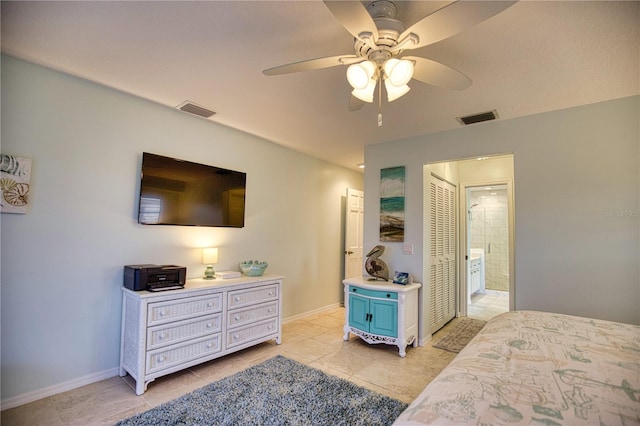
<point x="381" y="312"/>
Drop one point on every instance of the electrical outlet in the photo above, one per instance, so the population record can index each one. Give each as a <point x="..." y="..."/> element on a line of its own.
<point x="407" y="248"/>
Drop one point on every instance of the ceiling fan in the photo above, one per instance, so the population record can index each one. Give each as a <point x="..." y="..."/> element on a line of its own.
<point x="380" y="43"/>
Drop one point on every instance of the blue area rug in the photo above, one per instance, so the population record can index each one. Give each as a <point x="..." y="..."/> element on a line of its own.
<point x="277" y="392"/>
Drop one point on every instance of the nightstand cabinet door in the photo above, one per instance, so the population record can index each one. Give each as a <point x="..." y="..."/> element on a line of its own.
<point x="359" y="312"/>
<point x="384" y="317"/>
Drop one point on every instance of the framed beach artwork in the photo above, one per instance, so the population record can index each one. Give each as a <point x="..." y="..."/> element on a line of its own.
<point x="392" y="204"/>
<point x="15" y="174"/>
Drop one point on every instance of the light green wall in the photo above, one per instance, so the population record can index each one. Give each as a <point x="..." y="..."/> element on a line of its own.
<point x="577" y="198"/>
<point x="62" y="262"/>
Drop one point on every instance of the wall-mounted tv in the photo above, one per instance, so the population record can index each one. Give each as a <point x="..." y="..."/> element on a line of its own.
<point x="177" y="192"/>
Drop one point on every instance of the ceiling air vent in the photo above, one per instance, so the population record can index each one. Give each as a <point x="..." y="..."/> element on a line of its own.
<point x="192" y="108"/>
<point x="478" y="118"/>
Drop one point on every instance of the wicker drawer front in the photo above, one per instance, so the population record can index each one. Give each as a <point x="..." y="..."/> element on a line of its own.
<point x="252" y="314"/>
<point x="163" y="312"/>
<point x="162" y="359"/>
<point x="243" y="335"/>
<point x="251" y="296"/>
<point x="176" y="332"/>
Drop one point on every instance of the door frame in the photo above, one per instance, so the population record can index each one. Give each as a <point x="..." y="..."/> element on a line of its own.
<point x="462" y="247"/>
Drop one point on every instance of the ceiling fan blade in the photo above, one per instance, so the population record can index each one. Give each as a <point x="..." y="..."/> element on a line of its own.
<point x="437" y="74"/>
<point x="452" y="19"/>
<point x="314" y="64"/>
<point x="354" y="16"/>
<point x="355" y="104"/>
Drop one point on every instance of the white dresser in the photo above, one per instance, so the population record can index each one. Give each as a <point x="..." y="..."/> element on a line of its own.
<point x="164" y="332"/>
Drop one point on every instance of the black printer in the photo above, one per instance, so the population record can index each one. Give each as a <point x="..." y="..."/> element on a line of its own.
<point x="154" y="277"/>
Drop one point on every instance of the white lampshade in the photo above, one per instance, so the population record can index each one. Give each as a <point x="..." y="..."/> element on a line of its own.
<point x="395" y="92"/>
<point x="209" y="255"/>
<point x="365" y="94"/>
<point x="398" y="72"/>
<point x="360" y="75"/>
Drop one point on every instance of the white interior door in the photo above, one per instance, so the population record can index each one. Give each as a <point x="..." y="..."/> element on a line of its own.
<point x="353" y="241"/>
<point x="442" y="252"/>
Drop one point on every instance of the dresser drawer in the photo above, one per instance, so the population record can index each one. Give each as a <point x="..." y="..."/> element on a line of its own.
<point x="251" y="296"/>
<point x="171" y="356"/>
<point x="176" y="332"/>
<point x="242" y="316"/>
<point x="373" y="293"/>
<point x="243" y="335"/>
<point x="174" y="310"/>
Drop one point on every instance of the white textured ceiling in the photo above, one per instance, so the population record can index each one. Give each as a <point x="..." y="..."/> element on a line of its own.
<point x="532" y="58"/>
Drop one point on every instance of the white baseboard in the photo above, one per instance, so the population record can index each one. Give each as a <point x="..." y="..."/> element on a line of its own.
<point x="310" y="313"/>
<point x="59" y="388"/>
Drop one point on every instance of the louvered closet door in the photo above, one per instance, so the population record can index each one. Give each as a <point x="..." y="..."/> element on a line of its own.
<point x="442" y="252"/>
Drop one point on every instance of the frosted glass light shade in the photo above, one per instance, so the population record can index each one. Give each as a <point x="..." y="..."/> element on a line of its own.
<point x="395" y="92"/>
<point x="398" y="72"/>
<point x="365" y="94"/>
<point x="359" y="75"/>
<point x="209" y="255"/>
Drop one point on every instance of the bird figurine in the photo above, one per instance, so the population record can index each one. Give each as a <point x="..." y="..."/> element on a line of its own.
<point x="376" y="267"/>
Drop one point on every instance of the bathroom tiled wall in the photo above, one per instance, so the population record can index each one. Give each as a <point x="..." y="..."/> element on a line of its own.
<point x="489" y="229"/>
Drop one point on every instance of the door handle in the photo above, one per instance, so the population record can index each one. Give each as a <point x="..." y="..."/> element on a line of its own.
<point x="348" y="252"/>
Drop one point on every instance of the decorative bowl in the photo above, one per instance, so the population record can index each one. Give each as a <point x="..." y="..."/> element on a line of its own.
<point x="253" y="268"/>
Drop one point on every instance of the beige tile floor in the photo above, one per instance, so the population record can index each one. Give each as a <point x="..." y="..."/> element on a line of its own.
<point x="315" y="341"/>
<point x="485" y="306"/>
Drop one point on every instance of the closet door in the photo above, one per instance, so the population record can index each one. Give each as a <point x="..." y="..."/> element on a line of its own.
<point x="442" y="277"/>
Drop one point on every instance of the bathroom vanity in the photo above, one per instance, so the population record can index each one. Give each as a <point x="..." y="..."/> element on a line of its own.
<point x="475" y="274"/>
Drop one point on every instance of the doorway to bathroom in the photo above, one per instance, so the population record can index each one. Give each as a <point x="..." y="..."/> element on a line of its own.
<point x="471" y="295"/>
<point x="487" y="247"/>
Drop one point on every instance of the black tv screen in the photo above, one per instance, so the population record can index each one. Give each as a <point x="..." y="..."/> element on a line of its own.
<point x="177" y="192"/>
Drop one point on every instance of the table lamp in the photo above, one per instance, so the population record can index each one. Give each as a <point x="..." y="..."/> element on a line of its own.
<point x="209" y="258"/>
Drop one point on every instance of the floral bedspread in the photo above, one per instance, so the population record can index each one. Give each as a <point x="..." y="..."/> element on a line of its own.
<point x="528" y="367"/>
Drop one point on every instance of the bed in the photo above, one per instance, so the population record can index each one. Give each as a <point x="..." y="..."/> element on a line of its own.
<point x="527" y="367"/>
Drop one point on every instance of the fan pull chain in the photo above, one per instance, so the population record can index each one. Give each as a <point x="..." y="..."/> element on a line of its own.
<point x="380" y="103"/>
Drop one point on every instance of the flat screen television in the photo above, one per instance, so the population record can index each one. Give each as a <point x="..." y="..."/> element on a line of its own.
<point x="178" y="192"/>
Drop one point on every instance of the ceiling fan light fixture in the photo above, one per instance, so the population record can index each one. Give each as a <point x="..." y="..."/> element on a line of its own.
<point x="398" y="71"/>
<point x="360" y="75"/>
<point x="366" y="94"/>
<point x="395" y="92"/>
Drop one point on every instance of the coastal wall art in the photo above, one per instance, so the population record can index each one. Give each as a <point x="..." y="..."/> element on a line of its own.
<point x="392" y="204"/>
<point x="15" y="174"/>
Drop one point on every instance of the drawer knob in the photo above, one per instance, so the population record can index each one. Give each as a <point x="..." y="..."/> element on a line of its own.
<point x="269" y="311"/>
<point x="162" y="312"/>
<point x="209" y="325"/>
<point x="237" y="298"/>
<point x="237" y="318"/>
<point x="210" y="305"/>
<point x="162" y="336"/>
<point x="236" y="337"/>
<point x="271" y="293"/>
<point x="160" y="359"/>
<point x="209" y="345"/>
